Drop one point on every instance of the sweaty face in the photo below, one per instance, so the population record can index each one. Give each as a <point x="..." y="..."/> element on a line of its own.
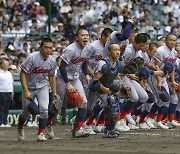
<point x="82" y="38"/>
<point x="171" y="41"/>
<point x="46" y="49"/>
<point x="114" y="51"/>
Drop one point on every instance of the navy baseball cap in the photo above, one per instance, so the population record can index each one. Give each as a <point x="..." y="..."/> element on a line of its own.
<point x="144" y="72"/>
<point x="164" y="96"/>
<point x="168" y="67"/>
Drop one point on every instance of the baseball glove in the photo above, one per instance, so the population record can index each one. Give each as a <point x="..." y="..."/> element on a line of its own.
<point x="130" y="68"/>
<point x="139" y="61"/>
<point x="55" y="104"/>
<point x="74" y="98"/>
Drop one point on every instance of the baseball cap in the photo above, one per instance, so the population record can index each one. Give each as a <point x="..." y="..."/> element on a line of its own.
<point x="144" y="72"/>
<point x="36" y="3"/>
<point x="168" y="67"/>
<point x="13" y="67"/>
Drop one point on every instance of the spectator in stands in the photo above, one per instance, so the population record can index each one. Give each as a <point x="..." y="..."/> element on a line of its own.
<point x="139" y="14"/>
<point x="66" y="7"/>
<point x="6" y="92"/>
<point x="4" y="18"/>
<point x="35" y="9"/>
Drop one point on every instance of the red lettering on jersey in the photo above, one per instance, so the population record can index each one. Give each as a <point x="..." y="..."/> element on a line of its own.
<point x="99" y="57"/>
<point x="169" y="60"/>
<point x="78" y="60"/>
<point x="39" y="70"/>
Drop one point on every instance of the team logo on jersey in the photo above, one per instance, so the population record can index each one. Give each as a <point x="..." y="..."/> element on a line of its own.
<point x="169" y="60"/>
<point x="39" y="70"/>
<point x="99" y="57"/>
<point x="78" y="60"/>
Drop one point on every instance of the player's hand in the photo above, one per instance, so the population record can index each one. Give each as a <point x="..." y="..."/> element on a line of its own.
<point x="131" y="20"/>
<point x="133" y="77"/>
<point x="70" y="87"/>
<point x="88" y="78"/>
<point x="27" y="94"/>
<point x="107" y="91"/>
<point x="156" y="68"/>
<point x="159" y="85"/>
<point x="174" y="84"/>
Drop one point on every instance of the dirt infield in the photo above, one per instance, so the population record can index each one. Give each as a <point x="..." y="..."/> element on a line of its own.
<point x="155" y="141"/>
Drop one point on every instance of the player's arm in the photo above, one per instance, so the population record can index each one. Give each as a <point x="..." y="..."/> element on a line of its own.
<point x="90" y="70"/>
<point x="85" y="70"/>
<point x="126" y="33"/>
<point x="152" y="67"/>
<point x="52" y="82"/>
<point x="158" y="78"/>
<point x="63" y="71"/>
<point x="174" y="84"/>
<point x="97" y="76"/>
<point x="23" y="81"/>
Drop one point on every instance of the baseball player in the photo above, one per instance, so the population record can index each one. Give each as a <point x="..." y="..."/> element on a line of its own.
<point x="163" y="55"/>
<point x="119" y="38"/>
<point x="36" y="70"/>
<point x="138" y="94"/>
<point x="96" y="50"/>
<point x="106" y="71"/>
<point x="73" y="60"/>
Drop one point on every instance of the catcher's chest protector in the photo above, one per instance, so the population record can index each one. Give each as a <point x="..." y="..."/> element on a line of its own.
<point x="110" y="74"/>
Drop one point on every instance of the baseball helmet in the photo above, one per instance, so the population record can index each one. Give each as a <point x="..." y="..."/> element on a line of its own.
<point x="33" y="108"/>
<point x="94" y="85"/>
<point x="164" y="96"/>
<point x="115" y="86"/>
<point x="168" y="67"/>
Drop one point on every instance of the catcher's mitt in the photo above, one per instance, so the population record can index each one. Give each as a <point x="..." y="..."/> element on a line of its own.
<point x="74" y="98"/>
<point x="130" y="68"/>
<point x="139" y="61"/>
<point x="55" y="104"/>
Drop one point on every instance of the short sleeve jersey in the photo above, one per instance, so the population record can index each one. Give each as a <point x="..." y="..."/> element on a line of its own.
<point x="38" y="69"/>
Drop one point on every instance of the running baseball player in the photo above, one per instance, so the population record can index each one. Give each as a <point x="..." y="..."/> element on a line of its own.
<point x="73" y="60"/>
<point x="163" y="55"/>
<point x="36" y="70"/>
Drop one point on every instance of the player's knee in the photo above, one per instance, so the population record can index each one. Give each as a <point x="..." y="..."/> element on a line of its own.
<point x="144" y="98"/>
<point x="44" y="115"/>
<point x="134" y="98"/>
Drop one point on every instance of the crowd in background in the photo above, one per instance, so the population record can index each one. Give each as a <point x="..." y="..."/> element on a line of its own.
<point x="24" y="22"/>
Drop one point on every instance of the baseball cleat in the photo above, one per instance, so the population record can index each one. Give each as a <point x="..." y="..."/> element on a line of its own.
<point x="133" y="127"/>
<point x="130" y="119"/>
<point x="50" y="132"/>
<point x="21" y="134"/>
<point x="159" y="124"/>
<point x="150" y="122"/>
<point x="98" y="128"/>
<point x="41" y="137"/>
<point x="174" y="123"/>
<point x="89" y="129"/>
<point x="79" y="133"/>
<point x="121" y="126"/>
<point x="111" y="133"/>
<point x="144" y="126"/>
